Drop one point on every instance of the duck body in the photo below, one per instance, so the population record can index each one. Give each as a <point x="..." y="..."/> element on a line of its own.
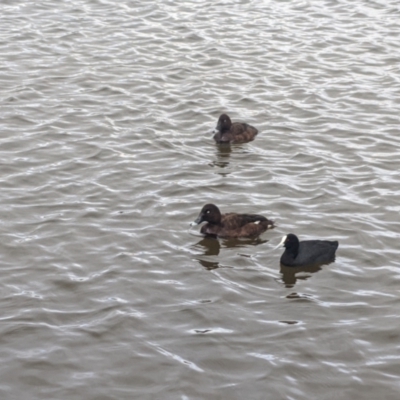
<point x="231" y="225"/>
<point x="307" y="252"/>
<point x="237" y="132"/>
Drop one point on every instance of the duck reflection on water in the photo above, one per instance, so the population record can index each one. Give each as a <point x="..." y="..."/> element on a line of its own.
<point x="211" y="247"/>
<point x="222" y="157"/>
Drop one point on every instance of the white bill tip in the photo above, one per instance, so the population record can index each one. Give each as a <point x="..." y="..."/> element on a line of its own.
<point x="281" y="242"/>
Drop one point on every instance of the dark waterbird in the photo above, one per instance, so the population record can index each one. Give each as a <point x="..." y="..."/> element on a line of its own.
<point x="307" y="252"/>
<point x="237" y="132"/>
<point x="231" y="225"/>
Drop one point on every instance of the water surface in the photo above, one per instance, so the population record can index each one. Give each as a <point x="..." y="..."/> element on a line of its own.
<point x="107" y="156"/>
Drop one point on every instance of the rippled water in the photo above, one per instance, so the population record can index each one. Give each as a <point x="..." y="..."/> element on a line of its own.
<point x="107" y="156"/>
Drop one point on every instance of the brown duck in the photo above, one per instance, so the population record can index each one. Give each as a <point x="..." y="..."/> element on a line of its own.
<point x="237" y="132"/>
<point x="231" y="225"/>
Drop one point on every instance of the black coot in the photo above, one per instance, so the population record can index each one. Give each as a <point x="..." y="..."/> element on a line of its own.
<point x="307" y="252"/>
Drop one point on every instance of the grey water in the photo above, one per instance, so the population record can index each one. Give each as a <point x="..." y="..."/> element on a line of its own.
<point x="107" y="155"/>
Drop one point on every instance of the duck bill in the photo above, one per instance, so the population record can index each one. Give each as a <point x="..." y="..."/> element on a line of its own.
<point x="282" y="243"/>
<point x="197" y="221"/>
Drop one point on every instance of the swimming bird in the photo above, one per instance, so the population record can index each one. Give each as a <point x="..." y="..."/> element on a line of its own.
<point x="237" y="132"/>
<point x="307" y="252"/>
<point x="231" y="225"/>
